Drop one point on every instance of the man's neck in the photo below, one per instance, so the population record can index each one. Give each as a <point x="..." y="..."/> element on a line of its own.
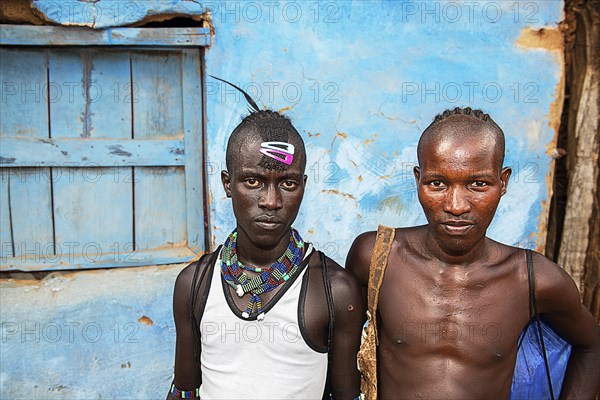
<point x="251" y="254"/>
<point x="474" y="254"/>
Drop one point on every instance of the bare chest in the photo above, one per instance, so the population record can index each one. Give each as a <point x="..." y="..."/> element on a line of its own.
<point x="472" y="315"/>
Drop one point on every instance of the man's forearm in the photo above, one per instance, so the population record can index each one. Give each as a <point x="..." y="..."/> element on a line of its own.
<point x="581" y="379"/>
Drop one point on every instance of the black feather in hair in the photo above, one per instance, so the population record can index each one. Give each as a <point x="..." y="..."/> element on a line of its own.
<point x="249" y="99"/>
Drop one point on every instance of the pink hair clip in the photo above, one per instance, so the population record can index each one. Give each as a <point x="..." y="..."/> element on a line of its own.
<point x="277" y="149"/>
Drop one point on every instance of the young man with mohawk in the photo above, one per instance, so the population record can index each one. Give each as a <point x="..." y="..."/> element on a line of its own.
<point x="266" y="316"/>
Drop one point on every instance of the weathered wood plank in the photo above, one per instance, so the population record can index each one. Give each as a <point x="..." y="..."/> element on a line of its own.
<point x="160" y="218"/>
<point x="76" y="36"/>
<point x="93" y="93"/>
<point x="158" y="95"/>
<point x="110" y="94"/>
<point x="193" y="126"/>
<point x="6" y="242"/>
<point x="93" y="206"/>
<point x="90" y="256"/>
<point x="160" y="212"/>
<point x="69" y="78"/>
<point x="23" y="93"/>
<point x="24" y="116"/>
<point x="31" y="213"/>
<point x="25" y="152"/>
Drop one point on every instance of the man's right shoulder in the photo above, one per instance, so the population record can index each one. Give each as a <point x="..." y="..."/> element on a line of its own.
<point x="361" y="251"/>
<point x="365" y="241"/>
<point x="186" y="275"/>
<point x="185" y="279"/>
<point x="362" y="247"/>
<point x="359" y="256"/>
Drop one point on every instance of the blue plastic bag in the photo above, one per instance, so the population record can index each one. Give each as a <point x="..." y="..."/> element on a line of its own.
<point x="529" y="379"/>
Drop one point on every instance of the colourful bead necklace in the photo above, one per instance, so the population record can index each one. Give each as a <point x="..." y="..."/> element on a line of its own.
<point x="268" y="279"/>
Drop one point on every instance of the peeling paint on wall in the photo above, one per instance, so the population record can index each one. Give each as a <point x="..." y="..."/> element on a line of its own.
<point x="100" y="14"/>
<point x="98" y="331"/>
<point x="550" y="40"/>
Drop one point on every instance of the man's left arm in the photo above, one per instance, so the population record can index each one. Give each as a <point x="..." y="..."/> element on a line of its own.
<point x="349" y="317"/>
<point x="559" y="303"/>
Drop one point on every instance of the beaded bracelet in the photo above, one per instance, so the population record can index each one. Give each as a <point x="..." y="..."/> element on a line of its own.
<point x="360" y="396"/>
<point x="185" y="394"/>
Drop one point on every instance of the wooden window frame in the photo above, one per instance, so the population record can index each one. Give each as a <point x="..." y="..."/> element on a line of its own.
<point x="25" y="152"/>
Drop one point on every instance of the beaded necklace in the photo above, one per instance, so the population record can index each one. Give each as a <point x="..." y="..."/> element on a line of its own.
<point x="268" y="279"/>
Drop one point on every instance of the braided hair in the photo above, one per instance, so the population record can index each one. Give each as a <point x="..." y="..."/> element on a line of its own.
<point x="480" y="122"/>
<point x="468" y="111"/>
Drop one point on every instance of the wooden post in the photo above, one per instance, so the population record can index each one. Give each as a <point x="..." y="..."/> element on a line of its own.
<point x="580" y="243"/>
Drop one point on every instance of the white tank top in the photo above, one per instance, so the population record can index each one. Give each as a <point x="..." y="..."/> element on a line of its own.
<point x="250" y="359"/>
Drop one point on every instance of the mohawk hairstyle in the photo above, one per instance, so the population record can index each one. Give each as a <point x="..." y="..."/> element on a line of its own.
<point x="269" y="126"/>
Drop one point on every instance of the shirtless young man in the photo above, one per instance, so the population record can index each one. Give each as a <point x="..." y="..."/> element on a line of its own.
<point x="250" y="339"/>
<point x="453" y="302"/>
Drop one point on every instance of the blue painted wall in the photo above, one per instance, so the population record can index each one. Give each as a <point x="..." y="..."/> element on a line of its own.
<point x="105" y="334"/>
<point x="360" y="81"/>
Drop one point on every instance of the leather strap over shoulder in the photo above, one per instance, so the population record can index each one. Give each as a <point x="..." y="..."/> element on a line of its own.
<point x="367" y="356"/>
<point x="379" y="261"/>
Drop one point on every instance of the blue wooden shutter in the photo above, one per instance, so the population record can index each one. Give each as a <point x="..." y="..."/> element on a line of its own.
<point x="101" y="147"/>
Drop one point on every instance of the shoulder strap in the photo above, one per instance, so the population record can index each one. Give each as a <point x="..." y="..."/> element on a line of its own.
<point x="379" y="261"/>
<point x="331" y="312"/>
<point x="194" y="292"/>
<point x="533" y="308"/>
<point x="329" y="295"/>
